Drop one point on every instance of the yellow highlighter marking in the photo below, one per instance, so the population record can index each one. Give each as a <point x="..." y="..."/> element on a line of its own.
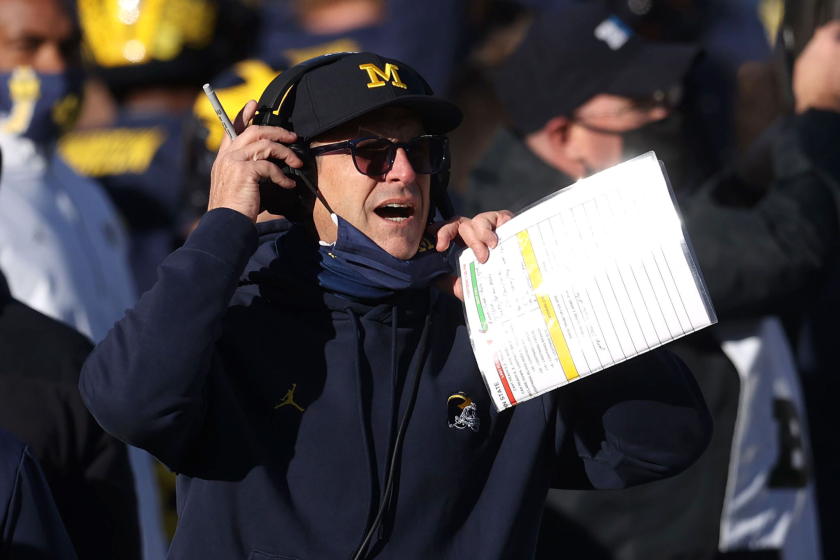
<point x="560" y="346"/>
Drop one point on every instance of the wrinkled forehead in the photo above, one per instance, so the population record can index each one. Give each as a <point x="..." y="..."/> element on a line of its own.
<point x="388" y="122"/>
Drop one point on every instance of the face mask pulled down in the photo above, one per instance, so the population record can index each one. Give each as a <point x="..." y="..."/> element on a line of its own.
<point x="357" y="258"/>
<point x="663" y="137"/>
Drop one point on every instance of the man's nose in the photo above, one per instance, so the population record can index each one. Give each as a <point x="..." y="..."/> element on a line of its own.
<point x="50" y="59"/>
<point x="402" y="170"/>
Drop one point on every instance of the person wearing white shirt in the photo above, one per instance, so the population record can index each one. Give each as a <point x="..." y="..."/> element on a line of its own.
<point x="62" y="246"/>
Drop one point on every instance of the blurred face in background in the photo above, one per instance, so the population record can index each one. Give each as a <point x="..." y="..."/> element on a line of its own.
<point x="37" y="33"/>
<point x="597" y="136"/>
<point x="40" y="73"/>
<point x="322" y="17"/>
<point x="596" y="133"/>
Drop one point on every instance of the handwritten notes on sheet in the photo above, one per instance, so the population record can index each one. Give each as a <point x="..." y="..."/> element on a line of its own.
<point x="588" y="277"/>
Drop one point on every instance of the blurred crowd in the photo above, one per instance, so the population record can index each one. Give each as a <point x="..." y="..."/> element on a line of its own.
<point x="108" y="142"/>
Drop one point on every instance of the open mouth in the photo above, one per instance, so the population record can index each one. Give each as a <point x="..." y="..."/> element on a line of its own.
<point x="395" y="212"/>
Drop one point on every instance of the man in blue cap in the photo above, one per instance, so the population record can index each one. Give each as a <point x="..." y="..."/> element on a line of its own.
<point x="301" y="383"/>
<point x="583" y="92"/>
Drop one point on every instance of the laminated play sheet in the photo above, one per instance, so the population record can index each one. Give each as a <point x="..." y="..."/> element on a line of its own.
<point x="588" y="277"/>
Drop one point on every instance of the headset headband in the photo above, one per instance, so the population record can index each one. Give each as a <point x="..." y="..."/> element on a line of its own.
<point x="271" y="101"/>
<point x="275" y="93"/>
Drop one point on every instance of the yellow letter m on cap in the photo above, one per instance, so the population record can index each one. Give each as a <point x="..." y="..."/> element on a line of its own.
<point x="374" y="73"/>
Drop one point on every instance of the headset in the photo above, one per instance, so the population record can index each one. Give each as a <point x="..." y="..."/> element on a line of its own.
<point x="275" y="108"/>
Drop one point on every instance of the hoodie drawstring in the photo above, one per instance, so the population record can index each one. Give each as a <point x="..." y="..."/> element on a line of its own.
<point x="393" y="415"/>
<point x="365" y="440"/>
<point x="412" y="400"/>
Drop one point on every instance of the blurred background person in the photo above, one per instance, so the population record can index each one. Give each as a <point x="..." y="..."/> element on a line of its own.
<point x="429" y="35"/>
<point x="585" y="92"/>
<point x="152" y="58"/>
<point x="32" y="528"/>
<point x="772" y="238"/>
<point x="582" y="91"/>
<point x="87" y="470"/>
<point x="791" y="149"/>
<point x="729" y="31"/>
<point x="62" y="245"/>
<point x="149" y="60"/>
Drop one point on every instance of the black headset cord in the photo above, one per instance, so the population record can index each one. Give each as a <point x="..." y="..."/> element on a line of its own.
<point x="359" y="553"/>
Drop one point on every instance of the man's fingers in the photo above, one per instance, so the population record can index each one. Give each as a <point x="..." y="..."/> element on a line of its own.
<point x="250" y="134"/>
<point x="484" y="227"/>
<point x="273" y="133"/>
<point x="264" y="149"/>
<point x="503" y="216"/>
<point x="816" y="74"/>
<point x="468" y="234"/>
<point x="240" y="123"/>
<point x="478" y="234"/>
<point x="446" y="232"/>
<point x="268" y="170"/>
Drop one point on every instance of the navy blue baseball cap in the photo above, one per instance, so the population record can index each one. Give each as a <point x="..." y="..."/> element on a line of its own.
<point x="571" y="54"/>
<point x="359" y="83"/>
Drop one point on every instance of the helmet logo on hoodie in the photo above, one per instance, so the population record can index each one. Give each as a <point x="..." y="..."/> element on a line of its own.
<point x="289" y="399"/>
<point x="462" y="412"/>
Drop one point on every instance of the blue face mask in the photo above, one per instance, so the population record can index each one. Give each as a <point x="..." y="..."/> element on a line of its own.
<point x="356" y="254"/>
<point x="39" y="106"/>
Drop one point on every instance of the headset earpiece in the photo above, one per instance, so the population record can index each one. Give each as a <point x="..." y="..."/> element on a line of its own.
<point x="294" y="204"/>
<point x="439" y="183"/>
<point x="274" y="109"/>
<point x="439" y="197"/>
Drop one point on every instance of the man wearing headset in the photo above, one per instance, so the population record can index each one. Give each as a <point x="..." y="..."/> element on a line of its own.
<point x="315" y="387"/>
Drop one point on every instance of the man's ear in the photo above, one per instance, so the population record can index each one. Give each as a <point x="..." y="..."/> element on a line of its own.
<point x="554" y="143"/>
<point x="557" y="133"/>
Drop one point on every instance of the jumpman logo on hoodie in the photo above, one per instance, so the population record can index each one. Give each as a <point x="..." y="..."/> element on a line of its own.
<point x="289" y="398"/>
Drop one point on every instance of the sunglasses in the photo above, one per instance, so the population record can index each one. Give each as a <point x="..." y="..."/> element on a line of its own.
<point x="374" y="156"/>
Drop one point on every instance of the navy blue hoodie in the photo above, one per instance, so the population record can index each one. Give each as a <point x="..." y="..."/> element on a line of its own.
<point x="30" y="526"/>
<point x="277" y="404"/>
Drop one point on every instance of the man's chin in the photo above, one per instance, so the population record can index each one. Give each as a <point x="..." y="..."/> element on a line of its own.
<point x="401" y="248"/>
<point x="401" y="243"/>
<point x="403" y="253"/>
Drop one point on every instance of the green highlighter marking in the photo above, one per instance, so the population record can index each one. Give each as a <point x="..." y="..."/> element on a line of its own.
<point x="477" y="299"/>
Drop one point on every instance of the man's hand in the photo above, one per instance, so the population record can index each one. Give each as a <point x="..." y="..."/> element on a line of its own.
<point x="479" y="234"/>
<point x="816" y="74"/>
<point x="241" y="164"/>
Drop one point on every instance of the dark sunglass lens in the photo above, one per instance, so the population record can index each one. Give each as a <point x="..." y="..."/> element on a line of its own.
<point x="426" y="155"/>
<point x="372" y="156"/>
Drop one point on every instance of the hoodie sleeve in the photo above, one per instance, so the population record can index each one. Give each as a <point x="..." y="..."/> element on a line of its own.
<point x="144" y="382"/>
<point x="639" y="421"/>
